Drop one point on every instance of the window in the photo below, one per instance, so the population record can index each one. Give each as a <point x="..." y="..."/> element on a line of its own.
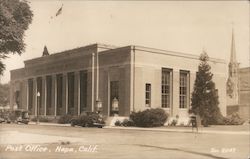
<point x="30" y="94"/>
<point x="148" y="95"/>
<point x="184" y="84"/>
<point x="48" y="92"/>
<point x="83" y="90"/>
<point x="166" y="88"/>
<point x="59" y="93"/>
<point x="71" y="84"/>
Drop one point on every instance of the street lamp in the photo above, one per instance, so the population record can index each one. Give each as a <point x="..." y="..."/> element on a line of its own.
<point x="99" y="106"/>
<point x="38" y="97"/>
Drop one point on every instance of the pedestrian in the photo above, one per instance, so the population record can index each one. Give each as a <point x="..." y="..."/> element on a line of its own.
<point x="193" y="120"/>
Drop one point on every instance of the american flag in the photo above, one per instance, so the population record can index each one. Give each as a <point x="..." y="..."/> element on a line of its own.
<point x="59" y="11"/>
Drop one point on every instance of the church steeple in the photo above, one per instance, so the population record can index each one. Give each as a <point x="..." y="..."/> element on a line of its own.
<point x="233" y="79"/>
<point x="233" y="64"/>
<point x="233" y="50"/>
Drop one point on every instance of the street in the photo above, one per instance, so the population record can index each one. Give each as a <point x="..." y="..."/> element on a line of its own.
<point x="37" y="141"/>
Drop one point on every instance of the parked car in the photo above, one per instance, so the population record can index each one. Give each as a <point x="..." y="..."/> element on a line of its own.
<point x="16" y="116"/>
<point x="88" y="119"/>
<point x="2" y="120"/>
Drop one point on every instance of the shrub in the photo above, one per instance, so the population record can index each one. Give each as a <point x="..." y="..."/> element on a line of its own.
<point x="75" y="121"/>
<point x="127" y="122"/>
<point x="233" y="119"/>
<point x="87" y="119"/>
<point x="118" y="123"/>
<point x="149" y="118"/>
<point x="41" y="119"/>
<point x="65" y="119"/>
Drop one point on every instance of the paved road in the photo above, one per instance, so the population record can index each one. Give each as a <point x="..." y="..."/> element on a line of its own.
<point x="73" y="142"/>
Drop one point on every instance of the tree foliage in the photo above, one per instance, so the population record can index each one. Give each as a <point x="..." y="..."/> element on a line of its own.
<point x="15" y="17"/>
<point x="205" y="98"/>
<point x="4" y="94"/>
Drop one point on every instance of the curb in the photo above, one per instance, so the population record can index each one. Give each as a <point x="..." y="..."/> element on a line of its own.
<point x="49" y="124"/>
<point x="180" y="130"/>
<point x="156" y="129"/>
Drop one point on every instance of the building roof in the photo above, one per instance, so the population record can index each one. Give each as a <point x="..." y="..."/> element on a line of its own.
<point x="175" y="53"/>
<point x="93" y="47"/>
<point x="103" y="48"/>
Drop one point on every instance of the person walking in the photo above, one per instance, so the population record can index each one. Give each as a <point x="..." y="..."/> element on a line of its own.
<point x="193" y="121"/>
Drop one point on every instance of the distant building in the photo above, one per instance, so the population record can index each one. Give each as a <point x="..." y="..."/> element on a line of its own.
<point x="244" y="92"/>
<point x="113" y="80"/>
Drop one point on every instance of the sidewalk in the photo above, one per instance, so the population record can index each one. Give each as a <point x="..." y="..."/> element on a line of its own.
<point x="181" y="130"/>
<point x="48" y="124"/>
<point x="161" y="129"/>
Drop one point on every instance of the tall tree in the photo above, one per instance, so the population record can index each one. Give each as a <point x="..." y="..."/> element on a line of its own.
<point x="205" y="96"/>
<point x="4" y="94"/>
<point x="15" y="17"/>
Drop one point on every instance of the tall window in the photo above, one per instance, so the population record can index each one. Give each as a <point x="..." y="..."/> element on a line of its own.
<point x="71" y="84"/>
<point x="59" y="85"/>
<point x="83" y="90"/>
<point x="48" y="93"/>
<point x="166" y="88"/>
<point x="30" y="94"/>
<point x="184" y="84"/>
<point x="148" y="95"/>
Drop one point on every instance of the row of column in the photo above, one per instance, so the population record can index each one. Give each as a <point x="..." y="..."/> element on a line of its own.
<point x="59" y="94"/>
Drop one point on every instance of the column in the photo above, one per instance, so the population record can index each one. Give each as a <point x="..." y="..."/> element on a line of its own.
<point x="176" y="95"/>
<point x="44" y="96"/>
<point x="108" y="94"/>
<point x="93" y="83"/>
<point x="79" y="98"/>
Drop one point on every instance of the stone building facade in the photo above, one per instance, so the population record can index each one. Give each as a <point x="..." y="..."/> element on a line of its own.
<point x="114" y="80"/>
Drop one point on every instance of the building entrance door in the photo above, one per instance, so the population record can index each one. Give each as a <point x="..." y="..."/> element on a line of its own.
<point x="114" y="98"/>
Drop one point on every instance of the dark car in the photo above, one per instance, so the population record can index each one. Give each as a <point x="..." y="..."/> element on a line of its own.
<point x="17" y="116"/>
<point x="2" y="120"/>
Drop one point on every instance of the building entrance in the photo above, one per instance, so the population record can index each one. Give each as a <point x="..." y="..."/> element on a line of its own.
<point x="114" y="98"/>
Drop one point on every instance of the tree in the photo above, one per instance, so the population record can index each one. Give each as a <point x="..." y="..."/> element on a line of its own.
<point x="205" y="98"/>
<point x="15" y="17"/>
<point x="4" y="94"/>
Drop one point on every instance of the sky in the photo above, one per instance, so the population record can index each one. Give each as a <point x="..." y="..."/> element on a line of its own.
<point x="184" y="26"/>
